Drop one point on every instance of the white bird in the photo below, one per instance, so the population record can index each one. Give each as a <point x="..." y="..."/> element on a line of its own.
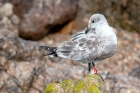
<point x="97" y="42"/>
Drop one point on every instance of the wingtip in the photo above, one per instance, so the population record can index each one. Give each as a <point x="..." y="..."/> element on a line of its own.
<point x="39" y="47"/>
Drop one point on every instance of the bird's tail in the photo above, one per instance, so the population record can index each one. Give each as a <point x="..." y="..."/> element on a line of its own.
<point x="52" y="50"/>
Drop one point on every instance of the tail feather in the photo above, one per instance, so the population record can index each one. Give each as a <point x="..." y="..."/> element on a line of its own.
<point x="51" y="49"/>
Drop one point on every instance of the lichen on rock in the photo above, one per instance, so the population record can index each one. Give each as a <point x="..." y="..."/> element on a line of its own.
<point x="92" y="83"/>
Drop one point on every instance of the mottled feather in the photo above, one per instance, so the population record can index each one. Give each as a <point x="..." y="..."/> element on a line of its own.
<point x="87" y="47"/>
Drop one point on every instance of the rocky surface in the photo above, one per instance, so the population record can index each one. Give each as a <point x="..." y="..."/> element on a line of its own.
<point x="8" y="20"/>
<point x="12" y="47"/>
<point x="22" y="65"/>
<point x="38" y="17"/>
<point x="92" y="83"/>
<point x="28" y="72"/>
<point x="24" y="70"/>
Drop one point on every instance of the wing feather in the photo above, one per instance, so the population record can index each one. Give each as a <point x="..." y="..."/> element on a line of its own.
<point x="86" y="47"/>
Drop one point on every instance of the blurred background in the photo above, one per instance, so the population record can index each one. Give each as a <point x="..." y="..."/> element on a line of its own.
<point x="24" y="24"/>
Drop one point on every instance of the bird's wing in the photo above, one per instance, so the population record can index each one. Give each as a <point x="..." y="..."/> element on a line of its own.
<point x="67" y="47"/>
<point x="107" y="51"/>
<point x="72" y="48"/>
<point x="93" y="49"/>
<point x="86" y="46"/>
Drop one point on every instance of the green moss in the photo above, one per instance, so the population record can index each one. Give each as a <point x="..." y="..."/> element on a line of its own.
<point x="93" y="89"/>
<point x="67" y="85"/>
<point x="90" y="84"/>
<point x="79" y="86"/>
<point x="51" y="87"/>
<point x="97" y="80"/>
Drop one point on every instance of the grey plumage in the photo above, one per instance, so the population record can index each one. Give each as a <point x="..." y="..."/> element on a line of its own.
<point x="96" y="42"/>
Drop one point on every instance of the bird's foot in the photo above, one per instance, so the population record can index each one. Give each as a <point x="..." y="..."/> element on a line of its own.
<point x="95" y="70"/>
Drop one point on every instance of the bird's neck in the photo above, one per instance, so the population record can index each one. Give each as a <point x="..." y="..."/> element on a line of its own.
<point x="108" y="32"/>
<point x="102" y="28"/>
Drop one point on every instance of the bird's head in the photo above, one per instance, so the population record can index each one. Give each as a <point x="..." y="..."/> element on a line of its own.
<point x="97" y="20"/>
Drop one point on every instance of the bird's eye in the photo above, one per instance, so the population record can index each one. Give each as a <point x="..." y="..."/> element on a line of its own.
<point x="92" y="21"/>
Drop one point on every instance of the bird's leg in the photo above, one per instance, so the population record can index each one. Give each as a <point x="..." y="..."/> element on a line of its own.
<point x="89" y="67"/>
<point x="94" y="68"/>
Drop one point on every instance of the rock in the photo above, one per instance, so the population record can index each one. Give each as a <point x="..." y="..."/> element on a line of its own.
<point x="7" y="44"/>
<point x="91" y="83"/>
<point x="122" y="84"/>
<point x="44" y="71"/>
<point x="38" y="17"/>
<point x="135" y="73"/>
<point x="39" y="83"/>
<point x="27" y="69"/>
<point x="9" y="21"/>
<point x="12" y="47"/>
<point x="11" y="87"/>
<point x="6" y="10"/>
<point x="23" y="72"/>
<point x="15" y="20"/>
<point x="3" y="78"/>
<point x="32" y="90"/>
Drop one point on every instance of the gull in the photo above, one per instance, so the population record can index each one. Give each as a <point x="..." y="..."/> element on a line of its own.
<point x="96" y="42"/>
